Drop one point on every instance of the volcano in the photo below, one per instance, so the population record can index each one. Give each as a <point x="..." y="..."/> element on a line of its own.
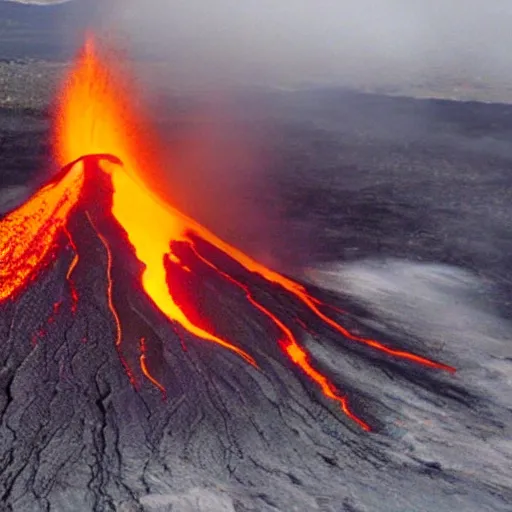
<point x="172" y="249"/>
<point x="175" y="333"/>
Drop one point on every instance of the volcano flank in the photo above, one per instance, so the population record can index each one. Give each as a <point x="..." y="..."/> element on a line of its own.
<point x="81" y="257"/>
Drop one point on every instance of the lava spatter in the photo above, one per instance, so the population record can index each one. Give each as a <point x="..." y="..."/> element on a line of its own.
<point x="97" y="115"/>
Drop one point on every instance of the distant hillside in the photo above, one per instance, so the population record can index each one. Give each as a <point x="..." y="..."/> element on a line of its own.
<point x="37" y="2"/>
<point x="36" y="16"/>
<point x="35" y="31"/>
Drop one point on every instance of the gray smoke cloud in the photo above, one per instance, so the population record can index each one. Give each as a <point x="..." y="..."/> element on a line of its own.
<point x="291" y="41"/>
<point x="217" y="174"/>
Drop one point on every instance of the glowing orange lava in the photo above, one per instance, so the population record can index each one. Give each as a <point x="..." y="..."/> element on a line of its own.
<point x="72" y="266"/>
<point x="28" y="234"/>
<point x="97" y="116"/>
<point x="110" y="284"/>
<point x="145" y="369"/>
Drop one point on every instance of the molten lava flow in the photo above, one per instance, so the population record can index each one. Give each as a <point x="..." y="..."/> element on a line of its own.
<point x="110" y="283"/>
<point x="72" y="266"/>
<point x="28" y="234"/>
<point x="300" y="358"/>
<point x="97" y="115"/>
<point x="291" y="347"/>
<point x="110" y="301"/>
<point x="145" y="370"/>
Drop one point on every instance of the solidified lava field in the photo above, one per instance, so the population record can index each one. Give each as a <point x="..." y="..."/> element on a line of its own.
<point x="403" y="209"/>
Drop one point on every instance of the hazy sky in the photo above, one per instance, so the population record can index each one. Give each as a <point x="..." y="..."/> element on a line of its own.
<point x="309" y="39"/>
<point x="216" y="175"/>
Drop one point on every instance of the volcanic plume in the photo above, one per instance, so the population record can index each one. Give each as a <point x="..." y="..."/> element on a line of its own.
<point x="111" y="183"/>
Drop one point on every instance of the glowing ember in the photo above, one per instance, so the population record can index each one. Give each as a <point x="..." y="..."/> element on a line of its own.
<point x="97" y="117"/>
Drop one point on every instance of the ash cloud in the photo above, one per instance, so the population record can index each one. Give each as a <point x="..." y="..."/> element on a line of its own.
<point x="218" y="171"/>
<point x="306" y="41"/>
